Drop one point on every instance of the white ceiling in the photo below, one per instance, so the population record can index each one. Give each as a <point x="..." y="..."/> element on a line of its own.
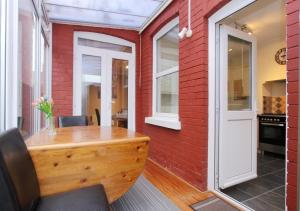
<point x="265" y="18"/>
<point x="131" y="14"/>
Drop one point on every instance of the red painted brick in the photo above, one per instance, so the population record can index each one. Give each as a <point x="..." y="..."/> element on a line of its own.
<point x="292" y="30"/>
<point x="292" y="86"/>
<point x="293" y="53"/>
<point x="292" y="6"/>
<point x="293" y="41"/>
<point x="293" y="64"/>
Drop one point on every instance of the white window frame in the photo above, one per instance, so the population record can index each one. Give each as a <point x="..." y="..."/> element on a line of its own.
<point x="2" y="63"/>
<point x="11" y="66"/>
<point x="168" y="120"/>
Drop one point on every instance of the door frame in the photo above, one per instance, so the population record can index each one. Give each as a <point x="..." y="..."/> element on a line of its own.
<point x="109" y="54"/>
<point x="213" y="94"/>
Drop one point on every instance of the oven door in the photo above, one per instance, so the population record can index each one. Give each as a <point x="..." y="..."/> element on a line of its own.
<point x="272" y="133"/>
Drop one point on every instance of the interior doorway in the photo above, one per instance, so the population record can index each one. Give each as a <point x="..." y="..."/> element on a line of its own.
<point x="251" y="97"/>
<point x="104" y="80"/>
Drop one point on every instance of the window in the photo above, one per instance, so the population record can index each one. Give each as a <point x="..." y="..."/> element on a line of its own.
<point x="24" y="73"/>
<point x="44" y="73"/>
<point x="26" y="66"/>
<point x="165" y="77"/>
<point x="33" y="73"/>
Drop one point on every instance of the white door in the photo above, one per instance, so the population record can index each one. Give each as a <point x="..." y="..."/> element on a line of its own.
<point x="104" y="80"/>
<point x="238" y="124"/>
<point x="120" y="102"/>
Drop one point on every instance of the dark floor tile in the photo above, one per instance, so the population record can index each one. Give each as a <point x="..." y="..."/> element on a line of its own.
<point x="276" y="164"/>
<point x="274" y="178"/>
<point x="217" y="206"/>
<point x="259" y="205"/>
<point x="281" y="173"/>
<point x="264" y="183"/>
<point x="263" y="159"/>
<point x="280" y="191"/>
<point x="213" y="204"/>
<point x="236" y="194"/>
<point x="251" y="189"/>
<point x="273" y="199"/>
<point x="263" y="170"/>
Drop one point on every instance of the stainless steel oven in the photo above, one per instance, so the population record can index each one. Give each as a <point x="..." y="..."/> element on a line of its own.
<point x="272" y="133"/>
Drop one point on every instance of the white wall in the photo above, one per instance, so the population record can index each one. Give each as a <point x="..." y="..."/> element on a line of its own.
<point x="267" y="68"/>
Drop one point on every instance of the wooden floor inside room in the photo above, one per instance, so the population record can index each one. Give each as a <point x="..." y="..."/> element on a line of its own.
<point x="176" y="189"/>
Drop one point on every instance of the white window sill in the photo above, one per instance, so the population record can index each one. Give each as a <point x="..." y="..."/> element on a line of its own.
<point x="171" y="123"/>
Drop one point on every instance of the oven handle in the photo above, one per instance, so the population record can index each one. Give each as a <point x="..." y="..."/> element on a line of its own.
<point x="272" y="124"/>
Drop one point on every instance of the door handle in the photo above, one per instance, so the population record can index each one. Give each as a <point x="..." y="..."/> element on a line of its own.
<point x="273" y="124"/>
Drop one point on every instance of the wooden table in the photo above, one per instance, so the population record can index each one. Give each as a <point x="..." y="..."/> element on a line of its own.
<point x="84" y="156"/>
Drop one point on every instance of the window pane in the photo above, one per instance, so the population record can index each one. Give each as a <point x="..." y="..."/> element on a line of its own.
<point x="91" y="88"/>
<point x="91" y="65"/>
<point x="104" y="45"/>
<point x="27" y="69"/>
<point x="91" y="102"/>
<point x="83" y="16"/>
<point x="119" y="93"/>
<point x="239" y="74"/>
<point x="167" y="93"/>
<point x="132" y="7"/>
<point x="43" y="74"/>
<point x="168" y="50"/>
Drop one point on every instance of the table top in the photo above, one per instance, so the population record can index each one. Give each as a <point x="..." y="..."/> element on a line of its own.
<point x="83" y="135"/>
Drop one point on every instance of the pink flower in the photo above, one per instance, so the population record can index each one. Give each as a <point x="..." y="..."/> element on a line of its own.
<point x="34" y="104"/>
<point x="50" y="101"/>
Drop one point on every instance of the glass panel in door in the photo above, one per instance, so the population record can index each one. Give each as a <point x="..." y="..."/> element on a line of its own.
<point x="119" y="93"/>
<point x="91" y="88"/>
<point x="239" y="74"/>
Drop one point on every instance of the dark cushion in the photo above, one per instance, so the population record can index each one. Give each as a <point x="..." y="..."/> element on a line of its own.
<point x="84" y="199"/>
<point x="19" y="178"/>
<point x="69" y="121"/>
<point x="7" y="200"/>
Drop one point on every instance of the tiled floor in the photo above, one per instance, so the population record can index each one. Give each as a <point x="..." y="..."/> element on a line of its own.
<point x="266" y="192"/>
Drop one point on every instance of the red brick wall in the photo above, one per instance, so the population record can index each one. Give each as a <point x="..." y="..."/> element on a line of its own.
<point x="62" y="62"/>
<point x="183" y="152"/>
<point x="292" y="9"/>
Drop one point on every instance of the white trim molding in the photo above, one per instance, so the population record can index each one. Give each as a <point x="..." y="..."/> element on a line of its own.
<point x="2" y="63"/>
<point x="155" y="15"/>
<point x="168" y="120"/>
<point x="11" y="95"/>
